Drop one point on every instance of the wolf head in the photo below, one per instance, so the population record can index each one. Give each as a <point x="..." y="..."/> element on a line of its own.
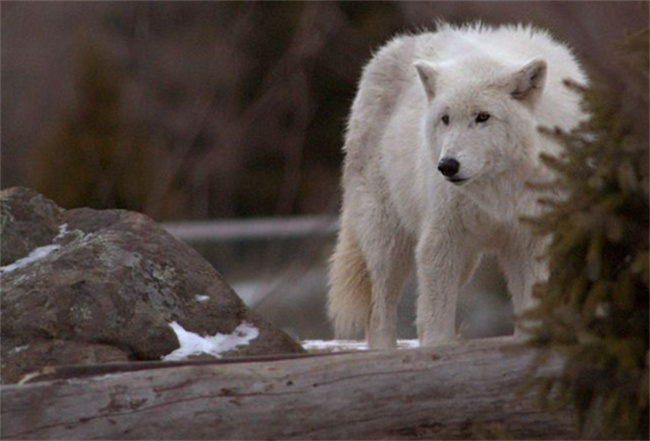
<point x="479" y="122"/>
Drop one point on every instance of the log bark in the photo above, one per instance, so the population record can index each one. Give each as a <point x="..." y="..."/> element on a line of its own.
<point x="432" y="393"/>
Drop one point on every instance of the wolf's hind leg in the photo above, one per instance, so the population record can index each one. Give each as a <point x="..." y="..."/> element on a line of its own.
<point x="389" y="259"/>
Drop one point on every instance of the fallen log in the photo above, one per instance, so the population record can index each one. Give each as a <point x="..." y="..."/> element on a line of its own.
<point x="433" y="393"/>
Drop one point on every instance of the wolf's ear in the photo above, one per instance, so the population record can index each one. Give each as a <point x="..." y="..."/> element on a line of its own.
<point x="527" y="83"/>
<point x="428" y="75"/>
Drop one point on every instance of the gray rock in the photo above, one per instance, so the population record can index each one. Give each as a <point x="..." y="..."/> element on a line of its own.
<point x="110" y="286"/>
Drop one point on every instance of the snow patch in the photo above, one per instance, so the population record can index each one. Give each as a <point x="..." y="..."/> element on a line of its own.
<point x="350" y="345"/>
<point x="37" y="254"/>
<point x="194" y="344"/>
<point x="18" y="349"/>
<point x="63" y="231"/>
<point x="201" y="298"/>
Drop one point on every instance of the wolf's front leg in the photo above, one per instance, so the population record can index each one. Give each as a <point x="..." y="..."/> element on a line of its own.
<point x="445" y="259"/>
<point x="524" y="266"/>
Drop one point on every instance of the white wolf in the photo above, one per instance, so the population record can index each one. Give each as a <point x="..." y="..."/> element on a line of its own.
<point x="441" y="143"/>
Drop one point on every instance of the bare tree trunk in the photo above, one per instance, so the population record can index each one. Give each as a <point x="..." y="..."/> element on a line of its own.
<point x="433" y="393"/>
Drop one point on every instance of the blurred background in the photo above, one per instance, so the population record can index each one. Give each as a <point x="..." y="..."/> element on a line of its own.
<point x="225" y="120"/>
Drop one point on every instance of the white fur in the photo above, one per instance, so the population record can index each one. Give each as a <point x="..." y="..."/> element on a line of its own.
<point x="398" y="209"/>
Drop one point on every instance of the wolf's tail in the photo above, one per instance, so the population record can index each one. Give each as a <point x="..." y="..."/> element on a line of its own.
<point x="349" y="299"/>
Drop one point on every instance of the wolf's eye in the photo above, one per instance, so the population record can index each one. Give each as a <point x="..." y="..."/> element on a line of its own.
<point x="445" y="119"/>
<point x="481" y="117"/>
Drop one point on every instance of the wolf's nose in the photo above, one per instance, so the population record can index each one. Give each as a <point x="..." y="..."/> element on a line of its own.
<point x="448" y="166"/>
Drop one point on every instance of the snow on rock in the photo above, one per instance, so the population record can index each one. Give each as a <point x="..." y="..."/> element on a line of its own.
<point x="36" y="254"/>
<point x="194" y="344"/>
<point x="349" y="345"/>
<point x="18" y="349"/>
<point x="63" y="231"/>
<point x="201" y="298"/>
